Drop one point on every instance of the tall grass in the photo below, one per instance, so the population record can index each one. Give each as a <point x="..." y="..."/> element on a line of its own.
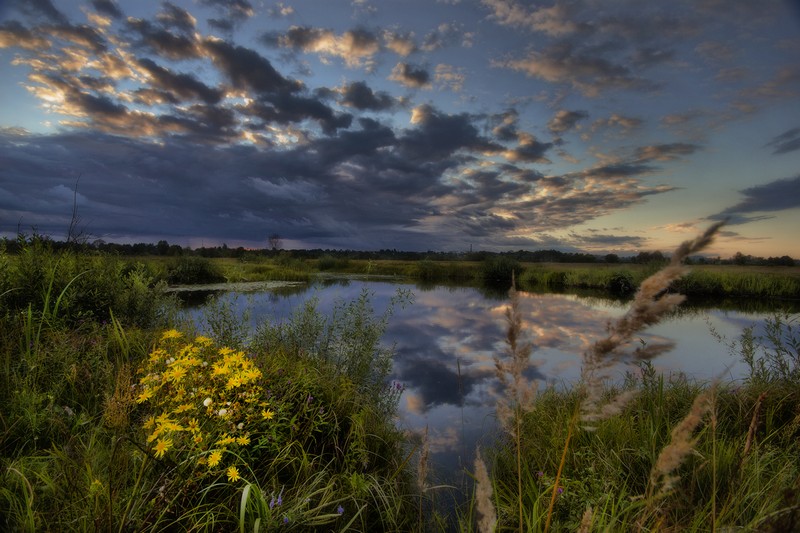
<point x="104" y="425"/>
<point x="656" y="452"/>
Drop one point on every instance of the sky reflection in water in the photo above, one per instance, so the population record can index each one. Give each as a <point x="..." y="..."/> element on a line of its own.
<point x="445" y="343"/>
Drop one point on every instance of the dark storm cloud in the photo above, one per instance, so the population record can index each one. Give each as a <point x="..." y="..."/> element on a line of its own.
<point x="185" y="86"/>
<point x="767" y="198"/>
<point x="108" y="7"/>
<point x="163" y="42"/>
<point x="246" y="69"/>
<point x="411" y="76"/>
<point x="786" y="142"/>
<point x="359" y="95"/>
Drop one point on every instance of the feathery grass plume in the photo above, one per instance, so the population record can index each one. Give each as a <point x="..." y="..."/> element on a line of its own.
<point x="483" y="495"/>
<point x="751" y="431"/>
<point x="422" y="466"/>
<point x="650" y="304"/>
<point x="519" y="392"/>
<point x="586" y="521"/>
<point x="681" y="442"/>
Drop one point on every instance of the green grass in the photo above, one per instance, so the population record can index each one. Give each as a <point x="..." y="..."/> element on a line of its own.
<point x="75" y="452"/>
<point x="79" y="333"/>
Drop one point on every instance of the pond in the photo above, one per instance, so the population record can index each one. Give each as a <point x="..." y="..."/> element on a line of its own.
<point x="446" y="340"/>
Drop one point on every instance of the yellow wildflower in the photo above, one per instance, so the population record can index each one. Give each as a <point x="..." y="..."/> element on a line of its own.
<point x="225" y="440"/>
<point x="214" y="458"/>
<point x="171" y="334"/>
<point x="162" y="446"/>
<point x="145" y="395"/>
<point x="233" y="474"/>
<point x="268" y="414"/>
<point x="243" y="441"/>
<point x="193" y="425"/>
<point x="203" y="340"/>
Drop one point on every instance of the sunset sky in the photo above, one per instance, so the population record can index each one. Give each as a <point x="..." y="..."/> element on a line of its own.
<point x="593" y="125"/>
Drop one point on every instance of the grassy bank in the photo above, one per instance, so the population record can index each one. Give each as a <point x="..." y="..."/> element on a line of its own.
<point x="737" y="281"/>
<point x="656" y="454"/>
<point x="115" y="417"/>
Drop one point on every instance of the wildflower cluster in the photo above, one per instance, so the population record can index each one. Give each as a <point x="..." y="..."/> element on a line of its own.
<point x="207" y="402"/>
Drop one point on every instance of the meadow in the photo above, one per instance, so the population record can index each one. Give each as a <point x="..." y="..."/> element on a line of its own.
<point x="117" y="416"/>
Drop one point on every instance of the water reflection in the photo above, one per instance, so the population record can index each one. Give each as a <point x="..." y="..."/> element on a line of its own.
<point x="445" y="343"/>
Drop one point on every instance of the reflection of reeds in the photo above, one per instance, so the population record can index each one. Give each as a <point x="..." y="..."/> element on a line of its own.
<point x="651" y="303"/>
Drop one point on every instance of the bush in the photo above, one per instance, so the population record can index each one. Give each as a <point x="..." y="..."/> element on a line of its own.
<point x="191" y="270"/>
<point x="500" y="269"/>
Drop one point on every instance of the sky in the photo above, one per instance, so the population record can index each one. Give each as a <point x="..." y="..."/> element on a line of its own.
<point x="603" y="126"/>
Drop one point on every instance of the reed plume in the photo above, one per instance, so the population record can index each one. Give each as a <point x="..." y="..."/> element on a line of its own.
<point x="510" y="371"/>
<point x="681" y="443"/>
<point x="487" y="517"/>
<point x="651" y="302"/>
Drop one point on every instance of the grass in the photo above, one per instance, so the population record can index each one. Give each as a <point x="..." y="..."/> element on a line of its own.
<point x="114" y="420"/>
<point x="104" y="423"/>
<point x="656" y="454"/>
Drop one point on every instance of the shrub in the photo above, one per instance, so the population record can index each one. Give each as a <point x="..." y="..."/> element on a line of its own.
<point x="500" y="269"/>
<point x="193" y="270"/>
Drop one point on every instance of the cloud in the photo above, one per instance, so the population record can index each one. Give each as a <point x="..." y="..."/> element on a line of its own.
<point x="246" y="69"/>
<point x="449" y="77"/>
<point x="45" y="9"/>
<point x="665" y="152"/>
<point x="108" y="7"/>
<point x="586" y="70"/>
<point x="172" y="16"/>
<point x="774" y="196"/>
<point x="162" y="41"/>
<point x="786" y="142"/>
<point x="360" y="96"/>
<point x="401" y="43"/>
<point x="411" y="76"/>
<point x="280" y="10"/>
<point x="565" y="120"/>
<point x="356" y="47"/>
<point x="237" y="10"/>
<point x="554" y="20"/>
<point x="446" y="34"/>
<point x="12" y="33"/>
<point x="184" y="86"/>
<point x="529" y="150"/>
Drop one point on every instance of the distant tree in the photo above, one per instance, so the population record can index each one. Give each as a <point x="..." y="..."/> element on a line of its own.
<point x="611" y="258"/>
<point x="275" y="241"/>
<point x="162" y="247"/>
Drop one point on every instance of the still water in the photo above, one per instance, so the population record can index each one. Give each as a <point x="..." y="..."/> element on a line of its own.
<point x="446" y="340"/>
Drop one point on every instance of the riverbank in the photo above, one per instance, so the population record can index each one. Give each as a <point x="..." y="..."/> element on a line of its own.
<point x="111" y="420"/>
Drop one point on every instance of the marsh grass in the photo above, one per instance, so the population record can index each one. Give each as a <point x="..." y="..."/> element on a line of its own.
<point x="655" y="453"/>
<point x="322" y="453"/>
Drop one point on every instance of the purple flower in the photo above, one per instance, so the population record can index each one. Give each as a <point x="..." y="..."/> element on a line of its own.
<point x="560" y="490"/>
<point x="340" y="510"/>
<point x="285" y="519"/>
<point x="539" y="474"/>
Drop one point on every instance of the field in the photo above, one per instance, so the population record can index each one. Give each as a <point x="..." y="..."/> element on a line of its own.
<point x="118" y="417"/>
